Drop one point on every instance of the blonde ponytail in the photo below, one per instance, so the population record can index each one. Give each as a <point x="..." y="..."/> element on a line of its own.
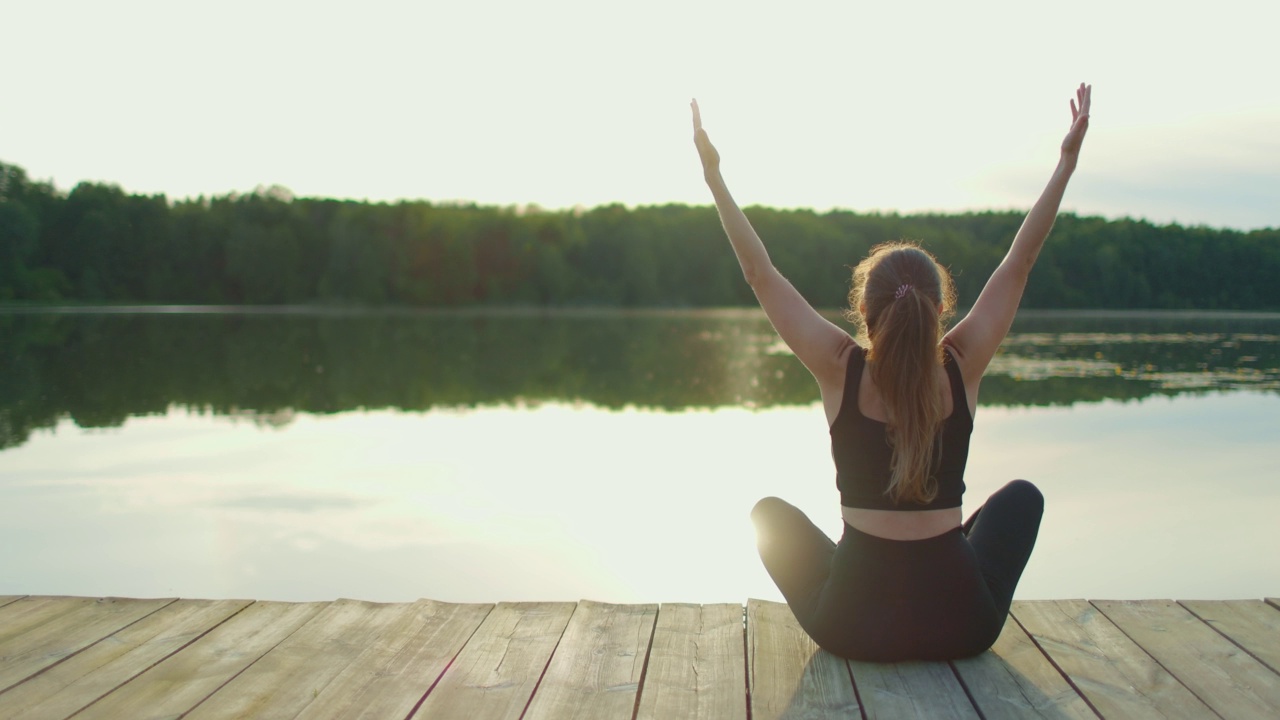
<point x="904" y="299"/>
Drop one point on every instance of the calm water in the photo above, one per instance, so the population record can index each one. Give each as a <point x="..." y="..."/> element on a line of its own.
<point x="483" y="457"/>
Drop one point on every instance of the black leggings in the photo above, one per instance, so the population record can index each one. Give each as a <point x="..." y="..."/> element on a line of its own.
<point x="868" y="598"/>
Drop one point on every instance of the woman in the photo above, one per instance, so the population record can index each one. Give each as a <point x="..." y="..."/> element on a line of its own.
<point x="908" y="580"/>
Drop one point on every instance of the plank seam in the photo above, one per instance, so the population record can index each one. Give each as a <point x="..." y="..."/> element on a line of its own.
<point x="57" y="616"/>
<point x="1080" y="693"/>
<point x="969" y="694"/>
<point x="448" y="665"/>
<point x="14" y="600"/>
<point x="185" y="645"/>
<point x="246" y="667"/>
<point x="1229" y="638"/>
<point x="1272" y="603"/>
<point x="1155" y="659"/>
<point x="862" y="708"/>
<point x="86" y="647"/>
<point x="543" y="674"/>
<point x="746" y="659"/>
<point x="648" y="651"/>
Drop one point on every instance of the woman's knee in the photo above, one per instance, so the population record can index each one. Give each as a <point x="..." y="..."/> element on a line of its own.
<point x="1019" y="499"/>
<point x="773" y="519"/>
<point x="767" y="509"/>
<point x="1025" y="494"/>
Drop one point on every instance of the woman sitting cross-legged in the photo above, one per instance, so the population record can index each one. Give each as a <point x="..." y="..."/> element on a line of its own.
<point x="908" y="580"/>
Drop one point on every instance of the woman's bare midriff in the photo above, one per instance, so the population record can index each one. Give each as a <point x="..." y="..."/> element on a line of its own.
<point x="903" y="524"/>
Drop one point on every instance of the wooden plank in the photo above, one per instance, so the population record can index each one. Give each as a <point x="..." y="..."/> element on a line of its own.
<point x="6" y="599"/>
<point x="1225" y="677"/>
<point x="788" y="675"/>
<point x="1113" y="673"/>
<point x="696" y="665"/>
<point x="596" y="669"/>
<point x="1274" y="602"/>
<point x="496" y="673"/>
<point x="80" y="680"/>
<point x="186" y="678"/>
<point x="924" y="690"/>
<point x="67" y="633"/>
<point x="397" y="669"/>
<point x="1015" y="680"/>
<point x="1251" y="624"/>
<point x="21" y="616"/>
<point x="291" y="675"/>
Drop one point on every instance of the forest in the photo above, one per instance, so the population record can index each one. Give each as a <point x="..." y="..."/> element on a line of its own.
<point x="97" y="244"/>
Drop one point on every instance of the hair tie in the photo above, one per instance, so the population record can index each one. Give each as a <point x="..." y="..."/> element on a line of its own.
<point x="901" y="292"/>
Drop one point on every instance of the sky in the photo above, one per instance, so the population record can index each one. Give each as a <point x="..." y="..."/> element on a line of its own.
<point x="889" y="106"/>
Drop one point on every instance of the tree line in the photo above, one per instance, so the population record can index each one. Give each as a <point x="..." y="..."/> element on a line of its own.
<point x="99" y="244"/>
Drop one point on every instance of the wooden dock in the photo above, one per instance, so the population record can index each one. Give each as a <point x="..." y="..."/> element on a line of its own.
<point x="166" y="658"/>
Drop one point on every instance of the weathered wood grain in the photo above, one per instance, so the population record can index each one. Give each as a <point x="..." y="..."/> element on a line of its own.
<point x="1225" y="677"/>
<point x="21" y="616"/>
<point x="1251" y="624"/>
<point x="291" y="675"/>
<point x="192" y="674"/>
<point x="788" y="675"/>
<point x="924" y="690"/>
<point x="697" y="669"/>
<point x="496" y="673"/>
<point x="150" y="659"/>
<point x="595" y="672"/>
<point x="75" y="683"/>
<point x="65" y="634"/>
<point x="1015" y="680"/>
<point x="1109" y="669"/>
<point x="394" y="672"/>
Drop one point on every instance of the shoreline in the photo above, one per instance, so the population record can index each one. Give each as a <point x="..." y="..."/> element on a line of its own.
<point x="572" y="311"/>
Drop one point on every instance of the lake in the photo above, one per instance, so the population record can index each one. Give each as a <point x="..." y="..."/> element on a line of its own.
<point x="615" y="456"/>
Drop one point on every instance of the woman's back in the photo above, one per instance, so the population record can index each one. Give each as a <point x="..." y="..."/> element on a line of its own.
<point x="862" y="453"/>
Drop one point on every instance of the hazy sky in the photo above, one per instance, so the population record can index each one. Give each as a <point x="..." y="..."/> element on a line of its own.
<point x="886" y="105"/>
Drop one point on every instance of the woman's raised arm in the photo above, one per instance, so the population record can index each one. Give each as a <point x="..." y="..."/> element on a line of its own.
<point x="818" y="342"/>
<point x="976" y="337"/>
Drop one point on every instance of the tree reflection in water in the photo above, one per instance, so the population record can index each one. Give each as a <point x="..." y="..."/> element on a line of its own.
<point x="100" y="368"/>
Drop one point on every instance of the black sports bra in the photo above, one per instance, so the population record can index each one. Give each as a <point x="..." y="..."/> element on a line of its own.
<point x="861" y="450"/>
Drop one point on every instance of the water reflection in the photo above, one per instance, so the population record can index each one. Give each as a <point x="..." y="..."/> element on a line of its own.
<point x="603" y="455"/>
<point x="497" y="504"/>
<point x="100" y="369"/>
<point x="1163" y="498"/>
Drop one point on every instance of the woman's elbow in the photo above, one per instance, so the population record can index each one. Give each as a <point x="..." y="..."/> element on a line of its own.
<point x="756" y="274"/>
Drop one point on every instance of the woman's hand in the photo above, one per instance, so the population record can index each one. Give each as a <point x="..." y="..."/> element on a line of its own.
<point x="706" y="151"/>
<point x="1079" y="123"/>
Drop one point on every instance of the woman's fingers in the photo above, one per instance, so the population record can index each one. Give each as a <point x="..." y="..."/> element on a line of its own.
<point x="1079" y="120"/>
<point x="707" y="151"/>
<point x="1080" y="106"/>
<point x="1083" y="94"/>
